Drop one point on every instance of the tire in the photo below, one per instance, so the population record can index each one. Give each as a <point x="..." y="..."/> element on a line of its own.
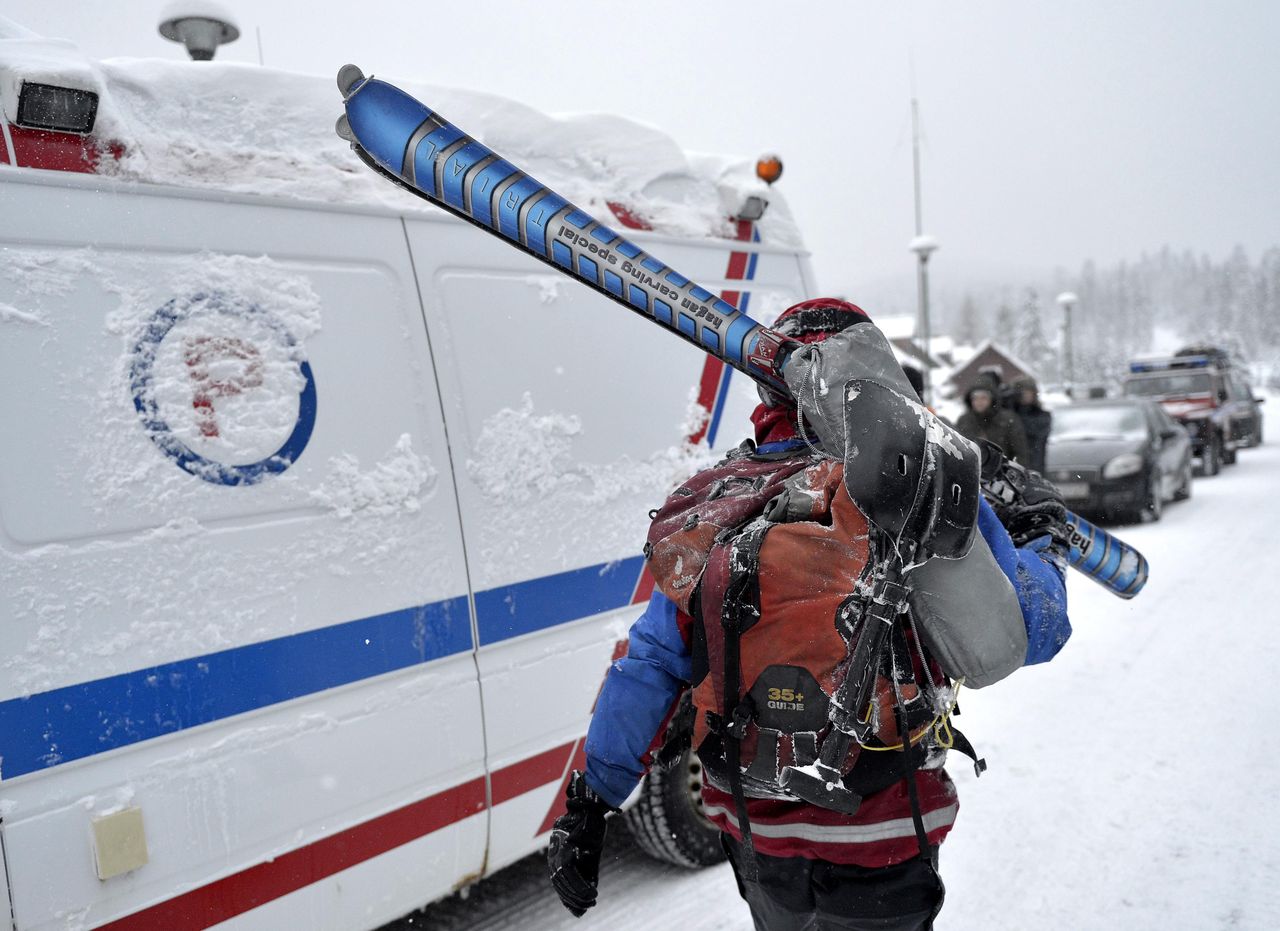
<point x="1211" y="461"/>
<point x="1153" y="509"/>
<point x="1184" y="487"/>
<point x="667" y="823"/>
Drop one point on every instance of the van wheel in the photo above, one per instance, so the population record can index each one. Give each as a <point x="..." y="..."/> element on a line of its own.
<point x="1184" y="486"/>
<point x="668" y="824"/>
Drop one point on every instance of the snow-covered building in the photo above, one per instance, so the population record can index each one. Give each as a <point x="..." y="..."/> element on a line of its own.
<point x="988" y="355"/>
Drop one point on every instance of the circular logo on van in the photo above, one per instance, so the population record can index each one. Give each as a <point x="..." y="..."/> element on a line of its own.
<point x="223" y="389"/>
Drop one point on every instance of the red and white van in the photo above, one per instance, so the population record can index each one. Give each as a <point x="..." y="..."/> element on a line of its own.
<point x="320" y="511"/>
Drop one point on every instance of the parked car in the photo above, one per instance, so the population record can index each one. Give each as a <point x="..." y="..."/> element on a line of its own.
<point x="1208" y="396"/>
<point x="1247" y="425"/>
<point x="1119" y="457"/>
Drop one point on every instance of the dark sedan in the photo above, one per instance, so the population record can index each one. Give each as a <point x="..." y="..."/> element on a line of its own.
<point x="1119" y="457"/>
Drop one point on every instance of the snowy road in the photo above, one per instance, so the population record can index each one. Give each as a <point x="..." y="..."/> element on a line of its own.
<point x="1133" y="781"/>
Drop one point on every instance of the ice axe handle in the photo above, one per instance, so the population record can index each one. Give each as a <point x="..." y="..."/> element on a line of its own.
<point x="822" y="783"/>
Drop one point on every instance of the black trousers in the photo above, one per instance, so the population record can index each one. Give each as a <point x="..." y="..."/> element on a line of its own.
<point x="799" y="894"/>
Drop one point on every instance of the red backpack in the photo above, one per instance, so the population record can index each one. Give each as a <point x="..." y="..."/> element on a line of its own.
<point x="766" y="554"/>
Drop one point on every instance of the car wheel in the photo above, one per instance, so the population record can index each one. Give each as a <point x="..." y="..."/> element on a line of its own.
<point x="1184" y="487"/>
<point x="1211" y="458"/>
<point x="1153" y="510"/>
<point x="667" y="822"/>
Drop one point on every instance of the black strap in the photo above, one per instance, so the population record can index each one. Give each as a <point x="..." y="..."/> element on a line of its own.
<point x="909" y="768"/>
<point x="739" y="611"/>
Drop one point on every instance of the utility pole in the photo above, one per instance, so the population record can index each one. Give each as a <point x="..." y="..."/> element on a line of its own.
<point x="923" y="246"/>
<point x="915" y="162"/>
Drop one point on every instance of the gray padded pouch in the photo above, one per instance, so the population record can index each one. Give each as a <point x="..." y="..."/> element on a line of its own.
<point x="966" y="609"/>
<point x="968" y="616"/>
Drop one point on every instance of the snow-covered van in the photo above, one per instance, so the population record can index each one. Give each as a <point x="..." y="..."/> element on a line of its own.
<point x="320" y="511"/>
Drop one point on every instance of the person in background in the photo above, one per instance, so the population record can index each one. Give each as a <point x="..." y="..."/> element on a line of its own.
<point x="985" y="419"/>
<point x="1036" y="421"/>
<point x="916" y="377"/>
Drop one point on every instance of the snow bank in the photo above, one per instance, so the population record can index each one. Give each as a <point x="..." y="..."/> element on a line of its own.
<point x="248" y="129"/>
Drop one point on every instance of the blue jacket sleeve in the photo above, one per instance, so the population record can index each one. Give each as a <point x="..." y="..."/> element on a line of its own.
<point x="639" y="692"/>
<point x="1038" y="578"/>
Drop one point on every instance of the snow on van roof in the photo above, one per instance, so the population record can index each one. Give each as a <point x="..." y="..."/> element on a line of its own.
<point x="249" y="129"/>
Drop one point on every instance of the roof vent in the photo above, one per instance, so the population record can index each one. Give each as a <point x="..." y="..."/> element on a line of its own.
<point x="200" y="25"/>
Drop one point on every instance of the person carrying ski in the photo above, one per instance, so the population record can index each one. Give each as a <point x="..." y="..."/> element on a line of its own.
<point x="778" y="599"/>
<point x="985" y="420"/>
<point x="1036" y="421"/>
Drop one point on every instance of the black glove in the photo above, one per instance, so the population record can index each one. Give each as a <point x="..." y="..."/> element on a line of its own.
<point x="1026" y="502"/>
<point x="577" y="839"/>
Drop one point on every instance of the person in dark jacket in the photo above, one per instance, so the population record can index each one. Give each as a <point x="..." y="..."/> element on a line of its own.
<point x="1036" y="421"/>
<point x="985" y="419"/>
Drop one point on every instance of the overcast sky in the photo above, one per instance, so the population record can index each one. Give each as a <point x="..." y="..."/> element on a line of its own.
<point x="1053" y="132"/>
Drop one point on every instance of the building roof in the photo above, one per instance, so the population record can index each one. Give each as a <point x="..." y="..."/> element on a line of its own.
<point x="975" y="362"/>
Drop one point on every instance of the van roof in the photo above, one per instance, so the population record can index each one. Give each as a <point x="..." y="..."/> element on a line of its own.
<point x="246" y="129"/>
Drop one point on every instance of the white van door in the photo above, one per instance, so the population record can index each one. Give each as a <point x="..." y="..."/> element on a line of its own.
<point x="569" y="418"/>
<point x="237" y="670"/>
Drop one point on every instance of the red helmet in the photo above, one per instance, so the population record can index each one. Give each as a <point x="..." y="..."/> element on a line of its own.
<point x="812" y="321"/>
<point x="806" y="322"/>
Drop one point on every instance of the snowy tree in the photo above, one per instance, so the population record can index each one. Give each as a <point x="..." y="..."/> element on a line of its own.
<point x="969" y="326"/>
<point x="1006" y="325"/>
<point x="1159" y="302"/>
<point x="1029" y="342"/>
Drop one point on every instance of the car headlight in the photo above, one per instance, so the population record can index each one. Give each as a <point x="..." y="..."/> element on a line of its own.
<point x="1122" y="465"/>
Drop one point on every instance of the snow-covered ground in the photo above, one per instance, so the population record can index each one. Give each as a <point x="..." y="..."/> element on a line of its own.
<point x="1133" y="781"/>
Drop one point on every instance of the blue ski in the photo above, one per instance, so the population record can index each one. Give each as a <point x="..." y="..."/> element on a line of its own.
<point x="416" y="148"/>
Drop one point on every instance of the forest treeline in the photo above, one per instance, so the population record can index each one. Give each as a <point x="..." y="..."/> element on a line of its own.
<point x="1158" y="302"/>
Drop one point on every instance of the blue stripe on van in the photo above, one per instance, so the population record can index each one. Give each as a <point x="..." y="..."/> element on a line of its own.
<point x="77" y="721"/>
<point x="81" y="720"/>
<point x="513" y="610"/>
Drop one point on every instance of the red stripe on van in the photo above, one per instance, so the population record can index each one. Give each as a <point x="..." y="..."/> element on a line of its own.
<point x="289" y="872"/>
<point x="644" y="587"/>
<point x="713" y="368"/>
<point x="708" y="386"/>
<point x="577" y="761"/>
<point x="240" y="892"/>
<point x="527" y="775"/>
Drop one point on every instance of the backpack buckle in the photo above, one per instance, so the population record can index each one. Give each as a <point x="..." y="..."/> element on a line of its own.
<point x="743" y="714"/>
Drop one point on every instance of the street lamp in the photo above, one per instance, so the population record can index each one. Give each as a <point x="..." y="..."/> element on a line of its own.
<point x="924" y="246"/>
<point x="1067" y="300"/>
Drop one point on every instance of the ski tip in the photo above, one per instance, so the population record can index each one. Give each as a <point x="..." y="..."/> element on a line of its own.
<point x="343" y="129"/>
<point x="348" y="77"/>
